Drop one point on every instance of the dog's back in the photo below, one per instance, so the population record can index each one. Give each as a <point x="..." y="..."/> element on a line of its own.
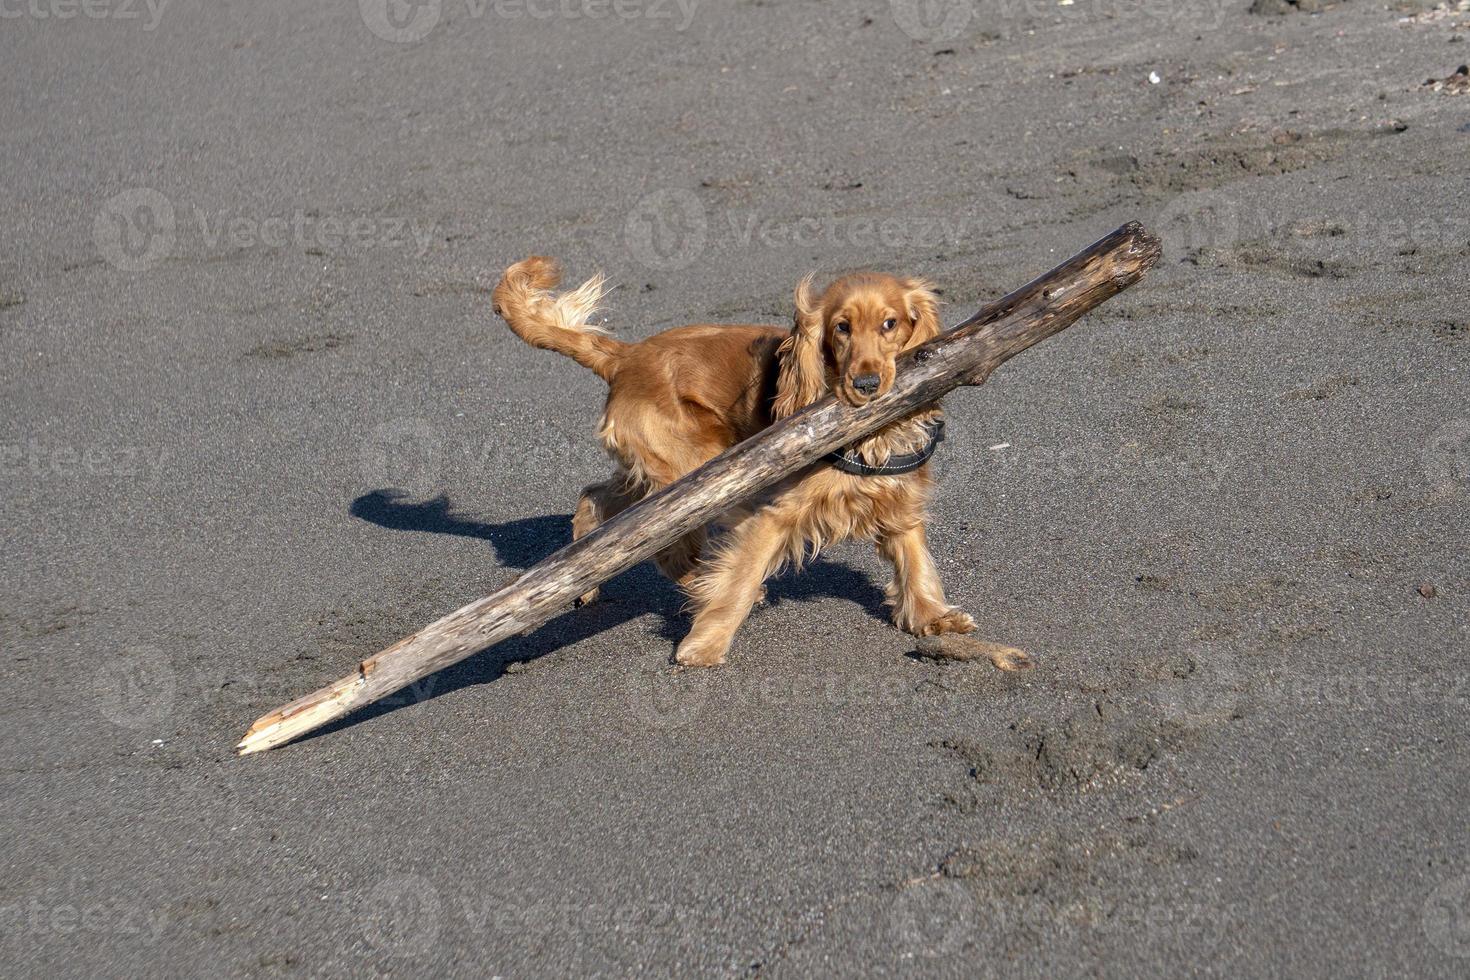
<point x="675" y="400"/>
<point x="682" y="397"/>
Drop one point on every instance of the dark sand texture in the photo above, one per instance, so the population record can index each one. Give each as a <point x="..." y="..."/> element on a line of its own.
<point x="258" y="422"/>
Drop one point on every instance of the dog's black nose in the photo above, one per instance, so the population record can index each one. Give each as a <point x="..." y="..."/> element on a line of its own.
<point x="866" y="383"/>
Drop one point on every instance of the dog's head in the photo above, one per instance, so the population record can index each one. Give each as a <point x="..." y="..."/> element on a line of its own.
<point x="847" y="339"/>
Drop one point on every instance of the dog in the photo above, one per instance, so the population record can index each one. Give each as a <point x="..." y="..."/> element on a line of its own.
<point x="683" y="396"/>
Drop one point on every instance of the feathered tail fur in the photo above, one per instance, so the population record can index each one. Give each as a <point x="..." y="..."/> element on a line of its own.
<point x="557" y="322"/>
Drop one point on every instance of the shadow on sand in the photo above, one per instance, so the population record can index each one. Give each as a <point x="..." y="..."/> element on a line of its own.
<point x="523" y="542"/>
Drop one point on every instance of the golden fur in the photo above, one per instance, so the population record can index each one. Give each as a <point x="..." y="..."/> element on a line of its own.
<point x="682" y="397"/>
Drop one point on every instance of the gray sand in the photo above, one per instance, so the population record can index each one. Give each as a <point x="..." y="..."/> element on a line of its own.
<point x="258" y="422"/>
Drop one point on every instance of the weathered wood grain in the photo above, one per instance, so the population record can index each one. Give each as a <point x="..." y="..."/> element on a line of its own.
<point x="966" y="354"/>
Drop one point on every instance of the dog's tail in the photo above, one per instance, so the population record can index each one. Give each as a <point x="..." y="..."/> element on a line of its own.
<point x="557" y="322"/>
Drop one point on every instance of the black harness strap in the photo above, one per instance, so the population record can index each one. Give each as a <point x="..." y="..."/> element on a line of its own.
<point x="849" y="460"/>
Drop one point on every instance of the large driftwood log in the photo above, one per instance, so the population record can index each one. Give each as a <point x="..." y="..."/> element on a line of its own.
<point x="964" y="355"/>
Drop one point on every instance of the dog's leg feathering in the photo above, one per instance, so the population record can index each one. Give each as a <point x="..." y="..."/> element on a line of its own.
<point x="729" y="585"/>
<point x="916" y="594"/>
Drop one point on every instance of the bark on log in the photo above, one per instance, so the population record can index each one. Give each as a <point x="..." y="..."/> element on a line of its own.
<point x="967" y="354"/>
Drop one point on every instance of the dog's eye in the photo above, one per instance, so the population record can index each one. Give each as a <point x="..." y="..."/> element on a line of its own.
<point x="843" y="327"/>
<point x="889" y="324"/>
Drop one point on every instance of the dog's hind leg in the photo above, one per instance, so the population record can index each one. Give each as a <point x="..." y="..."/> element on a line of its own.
<point x="680" y="560"/>
<point x="600" y="502"/>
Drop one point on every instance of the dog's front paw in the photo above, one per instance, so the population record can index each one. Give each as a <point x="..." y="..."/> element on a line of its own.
<point x="700" y="653"/>
<point x="953" y="621"/>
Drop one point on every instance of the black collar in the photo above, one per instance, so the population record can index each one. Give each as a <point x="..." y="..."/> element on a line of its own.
<point x="849" y="460"/>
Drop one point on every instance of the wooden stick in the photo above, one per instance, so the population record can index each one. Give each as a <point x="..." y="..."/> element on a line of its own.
<point x="965" y="355"/>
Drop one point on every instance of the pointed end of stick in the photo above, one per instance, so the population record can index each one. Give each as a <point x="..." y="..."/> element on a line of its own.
<point x="248" y="746"/>
<point x="290" y="722"/>
<point x="258" y="739"/>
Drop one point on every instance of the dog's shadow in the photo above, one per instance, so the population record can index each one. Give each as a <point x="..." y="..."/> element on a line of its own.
<point x="523" y="542"/>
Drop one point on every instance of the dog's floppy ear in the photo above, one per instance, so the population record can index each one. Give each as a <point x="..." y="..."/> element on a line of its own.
<point x="802" y="364"/>
<point x="923" y="310"/>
